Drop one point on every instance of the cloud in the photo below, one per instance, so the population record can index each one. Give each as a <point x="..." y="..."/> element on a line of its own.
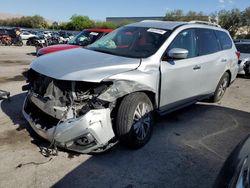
<point x="221" y="4"/>
<point x="225" y="3"/>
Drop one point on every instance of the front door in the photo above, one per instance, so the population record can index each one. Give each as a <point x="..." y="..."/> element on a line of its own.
<point x="180" y="79"/>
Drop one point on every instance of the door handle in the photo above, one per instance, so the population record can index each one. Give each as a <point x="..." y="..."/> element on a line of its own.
<point x="197" y="67"/>
<point x="224" y="60"/>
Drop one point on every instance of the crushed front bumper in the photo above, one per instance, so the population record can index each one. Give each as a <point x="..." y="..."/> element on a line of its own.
<point x="88" y="133"/>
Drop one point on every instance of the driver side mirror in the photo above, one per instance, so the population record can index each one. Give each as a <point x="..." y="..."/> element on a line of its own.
<point x="178" y="53"/>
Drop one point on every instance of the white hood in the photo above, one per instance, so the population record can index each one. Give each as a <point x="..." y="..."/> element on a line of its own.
<point x="82" y="65"/>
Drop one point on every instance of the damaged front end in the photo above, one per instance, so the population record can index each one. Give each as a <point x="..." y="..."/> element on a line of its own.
<point x="69" y="113"/>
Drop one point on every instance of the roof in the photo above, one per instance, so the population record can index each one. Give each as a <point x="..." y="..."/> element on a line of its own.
<point x="169" y="25"/>
<point x="99" y="30"/>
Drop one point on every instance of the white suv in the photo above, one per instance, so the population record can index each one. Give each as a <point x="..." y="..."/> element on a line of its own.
<point x="87" y="99"/>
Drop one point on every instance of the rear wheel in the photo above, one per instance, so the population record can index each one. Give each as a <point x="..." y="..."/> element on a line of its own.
<point x="221" y="88"/>
<point x="134" y="123"/>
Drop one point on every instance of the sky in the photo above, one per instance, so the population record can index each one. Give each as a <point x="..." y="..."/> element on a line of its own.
<point x="62" y="10"/>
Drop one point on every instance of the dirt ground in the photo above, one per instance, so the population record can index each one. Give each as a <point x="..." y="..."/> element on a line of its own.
<point x="187" y="149"/>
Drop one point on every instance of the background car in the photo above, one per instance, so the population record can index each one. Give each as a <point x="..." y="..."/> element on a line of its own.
<point x="244" y="62"/>
<point x="84" y="38"/>
<point x="26" y="35"/>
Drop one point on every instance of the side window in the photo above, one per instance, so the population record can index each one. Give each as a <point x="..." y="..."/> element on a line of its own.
<point x="207" y="40"/>
<point x="187" y="40"/>
<point x="224" y="39"/>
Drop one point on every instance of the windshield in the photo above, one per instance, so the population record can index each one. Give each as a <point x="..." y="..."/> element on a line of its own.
<point x="128" y="41"/>
<point x="243" y="48"/>
<point x="85" y="38"/>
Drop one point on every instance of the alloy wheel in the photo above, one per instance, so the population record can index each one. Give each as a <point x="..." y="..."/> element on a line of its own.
<point x="142" y="120"/>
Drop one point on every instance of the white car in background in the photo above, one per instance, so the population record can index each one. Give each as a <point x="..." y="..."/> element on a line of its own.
<point x="244" y="62"/>
<point x="26" y="35"/>
<point x="47" y="34"/>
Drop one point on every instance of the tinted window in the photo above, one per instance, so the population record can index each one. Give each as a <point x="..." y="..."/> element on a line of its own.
<point x="186" y="40"/>
<point x="243" y="48"/>
<point x="208" y="43"/>
<point x="224" y="40"/>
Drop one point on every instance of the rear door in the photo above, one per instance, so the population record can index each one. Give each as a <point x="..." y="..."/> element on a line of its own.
<point x="213" y="61"/>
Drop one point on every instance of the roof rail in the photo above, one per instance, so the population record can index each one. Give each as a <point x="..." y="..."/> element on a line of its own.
<point x="204" y="22"/>
<point x="151" y="21"/>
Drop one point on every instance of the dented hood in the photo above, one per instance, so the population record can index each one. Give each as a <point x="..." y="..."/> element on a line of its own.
<point x="82" y="65"/>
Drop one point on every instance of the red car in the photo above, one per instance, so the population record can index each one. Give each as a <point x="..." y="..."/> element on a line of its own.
<point x="84" y="38"/>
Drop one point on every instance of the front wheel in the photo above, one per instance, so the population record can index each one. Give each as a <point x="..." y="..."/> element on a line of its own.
<point x="28" y="43"/>
<point x="19" y="43"/>
<point x="221" y="88"/>
<point x="134" y="124"/>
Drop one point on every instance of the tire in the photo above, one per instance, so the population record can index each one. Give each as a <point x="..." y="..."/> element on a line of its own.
<point x="133" y="127"/>
<point x="221" y="88"/>
<point x="28" y="43"/>
<point x="20" y="43"/>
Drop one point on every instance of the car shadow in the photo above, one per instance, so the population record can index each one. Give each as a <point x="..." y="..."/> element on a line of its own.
<point x="31" y="54"/>
<point x="12" y="107"/>
<point x="187" y="149"/>
<point x="243" y="76"/>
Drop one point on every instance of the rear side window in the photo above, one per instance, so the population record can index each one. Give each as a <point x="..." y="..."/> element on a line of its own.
<point x="207" y="41"/>
<point x="224" y="39"/>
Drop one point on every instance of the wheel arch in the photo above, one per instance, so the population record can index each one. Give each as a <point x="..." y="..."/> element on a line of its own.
<point x="151" y="95"/>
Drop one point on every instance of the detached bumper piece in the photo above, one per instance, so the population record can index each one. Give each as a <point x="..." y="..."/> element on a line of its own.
<point x="91" y="132"/>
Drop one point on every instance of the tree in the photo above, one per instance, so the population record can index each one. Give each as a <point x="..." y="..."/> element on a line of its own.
<point x="78" y="22"/>
<point x="178" y="15"/>
<point x="230" y="20"/>
<point x="246" y="17"/>
<point x="175" y="15"/>
<point x="105" y="25"/>
<point x="191" y="15"/>
<point x="245" y="21"/>
<point x="26" y="21"/>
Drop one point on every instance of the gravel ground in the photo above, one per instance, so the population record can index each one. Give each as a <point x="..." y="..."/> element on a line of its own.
<point x="187" y="149"/>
